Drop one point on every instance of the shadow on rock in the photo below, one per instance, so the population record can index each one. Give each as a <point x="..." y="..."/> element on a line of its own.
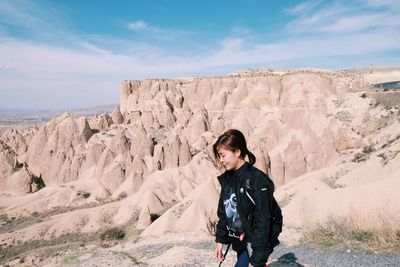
<point x="288" y="259"/>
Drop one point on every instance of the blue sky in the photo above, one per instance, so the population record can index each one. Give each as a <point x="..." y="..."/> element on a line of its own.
<point x="74" y="53"/>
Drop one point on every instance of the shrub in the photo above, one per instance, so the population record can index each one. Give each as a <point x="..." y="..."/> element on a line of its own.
<point x="86" y="195"/>
<point x="113" y="234"/>
<point x="359" y="157"/>
<point x="4" y="219"/>
<point x="122" y="195"/>
<point x="389" y="142"/>
<point x="368" y="149"/>
<point x="362" y="236"/>
<point x="364" y="155"/>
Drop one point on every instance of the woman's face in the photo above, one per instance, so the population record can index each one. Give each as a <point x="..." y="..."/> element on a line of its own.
<point x="229" y="159"/>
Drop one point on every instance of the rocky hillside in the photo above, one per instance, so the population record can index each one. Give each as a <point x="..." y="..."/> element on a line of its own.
<point x="328" y="144"/>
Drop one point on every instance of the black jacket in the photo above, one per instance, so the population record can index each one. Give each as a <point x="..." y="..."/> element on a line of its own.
<point x="256" y="217"/>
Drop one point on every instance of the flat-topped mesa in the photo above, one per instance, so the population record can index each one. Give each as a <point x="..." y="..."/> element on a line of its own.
<point x="255" y="89"/>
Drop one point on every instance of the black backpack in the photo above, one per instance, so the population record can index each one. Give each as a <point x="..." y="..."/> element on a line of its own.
<point x="276" y="216"/>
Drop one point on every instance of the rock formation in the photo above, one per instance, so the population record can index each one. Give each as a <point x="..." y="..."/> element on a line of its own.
<point x="316" y="132"/>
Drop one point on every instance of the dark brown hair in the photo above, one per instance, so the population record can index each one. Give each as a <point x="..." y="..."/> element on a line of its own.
<point x="234" y="139"/>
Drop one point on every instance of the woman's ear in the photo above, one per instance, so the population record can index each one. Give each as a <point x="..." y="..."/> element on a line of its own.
<point x="237" y="153"/>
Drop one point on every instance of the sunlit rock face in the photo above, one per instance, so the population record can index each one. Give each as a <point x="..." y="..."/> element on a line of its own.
<point x="313" y="131"/>
<point x="292" y="118"/>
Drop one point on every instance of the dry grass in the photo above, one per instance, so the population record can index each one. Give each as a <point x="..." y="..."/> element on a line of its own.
<point x="373" y="232"/>
<point x="114" y="233"/>
<point x="130" y="228"/>
<point x="13" y="223"/>
<point x="382" y="227"/>
<point x="212" y="224"/>
<point x="364" y="155"/>
<point x="331" y="234"/>
<point x="47" y="248"/>
<point x="42" y="249"/>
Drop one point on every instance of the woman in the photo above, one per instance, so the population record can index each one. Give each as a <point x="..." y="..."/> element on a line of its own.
<point x="245" y="205"/>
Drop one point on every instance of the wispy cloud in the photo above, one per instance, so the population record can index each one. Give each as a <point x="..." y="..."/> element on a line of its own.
<point x="360" y="23"/>
<point x="338" y="17"/>
<point x="392" y="4"/>
<point x="19" y="13"/>
<point x="31" y="19"/>
<point x="138" y="25"/>
<point x="302" y="8"/>
<point x="161" y="33"/>
<point x="317" y="34"/>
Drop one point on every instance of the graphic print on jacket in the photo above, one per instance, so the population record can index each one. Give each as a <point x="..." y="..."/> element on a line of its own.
<point x="234" y="224"/>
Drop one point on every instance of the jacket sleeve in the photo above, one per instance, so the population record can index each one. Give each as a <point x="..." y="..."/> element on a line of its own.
<point x="221" y="234"/>
<point x="263" y="193"/>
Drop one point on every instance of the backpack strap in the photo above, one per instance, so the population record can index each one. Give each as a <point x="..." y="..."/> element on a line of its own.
<point x="248" y="187"/>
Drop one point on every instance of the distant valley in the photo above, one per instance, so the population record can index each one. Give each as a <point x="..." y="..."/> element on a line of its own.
<point x="10" y="118"/>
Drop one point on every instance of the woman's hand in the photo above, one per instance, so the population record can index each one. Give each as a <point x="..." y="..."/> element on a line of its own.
<point x="218" y="252"/>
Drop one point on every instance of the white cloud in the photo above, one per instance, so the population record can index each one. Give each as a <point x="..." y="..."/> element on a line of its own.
<point x="17" y="13"/>
<point x="94" y="73"/>
<point x="31" y="18"/>
<point x="138" y="25"/>
<point x="343" y="18"/>
<point x="360" y="23"/>
<point x="312" y="21"/>
<point x="306" y="49"/>
<point x="159" y="33"/>
<point x="392" y="4"/>
<point x="302" y="8"/>
<point x="90" y="73"/>
<point x="231" y="44"/>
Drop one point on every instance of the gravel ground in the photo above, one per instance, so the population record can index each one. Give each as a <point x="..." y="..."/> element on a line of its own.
<point x="193" y="249"/>
<point x="308" y="256"/>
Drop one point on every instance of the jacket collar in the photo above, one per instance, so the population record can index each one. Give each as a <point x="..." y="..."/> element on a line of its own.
<point x="237" y="173"/>
<point x="241" y="169"/>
